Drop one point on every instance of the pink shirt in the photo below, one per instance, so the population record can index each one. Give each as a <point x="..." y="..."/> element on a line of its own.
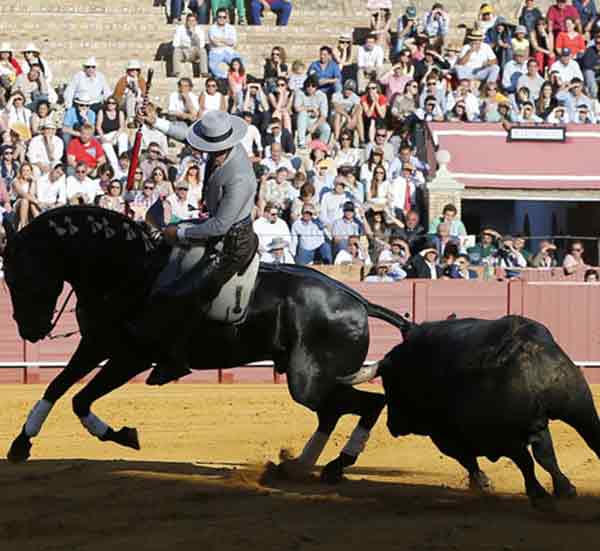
<point x="395" y="85"/>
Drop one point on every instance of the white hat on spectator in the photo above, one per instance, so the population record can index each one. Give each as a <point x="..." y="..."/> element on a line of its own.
<point x="277" y="243"/>
<point x="83" y="99"/>
<point x="5" y="47"/>
<point x="48" y="123"/>
<point x="90" y="62"/>
<point x="31" y="47"/>
<point x="134" y="64"/>
<point x="216" y="131"/>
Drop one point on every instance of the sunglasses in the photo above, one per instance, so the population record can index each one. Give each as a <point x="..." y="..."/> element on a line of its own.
<point x="90" y="67"/>
<point x="275" y="54"/>
<point x="380" y="135"/>
<point x="139" y="172"/>
<point x="111" y="103"/>
<point x="221" y="17"/>
<point x="154" y="152"/>
<point x="372" y="87"/>
<point x="211" y="85"/>
<point x="281" y="84"/>
<point x="307" y="212"/>
<point x="114" y="187"/>
<point x="380" y="172"/>
<point x="274" y="213"/>
<point x="149" y="187"/>
<point x="577" y="250"/>
<point x="81" y="171"/>
<point x="18" y="99"/>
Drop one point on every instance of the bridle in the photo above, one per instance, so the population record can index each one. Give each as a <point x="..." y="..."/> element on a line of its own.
<point x="56" y="319"/>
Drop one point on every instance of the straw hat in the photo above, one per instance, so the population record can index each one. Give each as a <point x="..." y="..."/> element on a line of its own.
<point x="6" y="47"/>
<point x="31" y="47"/>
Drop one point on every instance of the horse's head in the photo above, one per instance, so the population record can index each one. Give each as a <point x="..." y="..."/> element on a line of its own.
<point x="33" y="281"/>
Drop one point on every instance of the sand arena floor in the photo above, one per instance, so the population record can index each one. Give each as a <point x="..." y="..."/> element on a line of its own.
<point x="199" y="483"/>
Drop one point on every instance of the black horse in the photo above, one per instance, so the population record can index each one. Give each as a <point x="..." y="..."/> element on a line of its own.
<point x="313" y="328"/>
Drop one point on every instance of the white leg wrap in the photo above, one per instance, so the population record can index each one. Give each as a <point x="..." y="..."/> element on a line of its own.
<point x="37" y="416"/>
<point x="356" y="443"/>
<point x="94" y="425"/>
<point x="313" y="449"/>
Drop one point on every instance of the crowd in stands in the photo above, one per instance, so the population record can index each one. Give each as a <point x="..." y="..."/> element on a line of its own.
<point x="332" y="141"/>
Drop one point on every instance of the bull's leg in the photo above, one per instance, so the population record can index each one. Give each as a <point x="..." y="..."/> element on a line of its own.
<point x="114" y="374"/>
<point x="86" y="358"/>
<point x="543" y="451"/>
<point x="344" y="399"/>
<point x="538" y="497"/>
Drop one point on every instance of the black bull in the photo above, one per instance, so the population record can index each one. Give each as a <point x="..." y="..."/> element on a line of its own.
<point x="314" y="329"/>
<point x="489" y="388"/>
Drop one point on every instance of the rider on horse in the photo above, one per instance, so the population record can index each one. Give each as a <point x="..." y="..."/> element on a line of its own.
<point x="229" y="193"/>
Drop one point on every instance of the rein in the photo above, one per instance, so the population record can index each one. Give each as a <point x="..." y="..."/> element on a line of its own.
<point x="61" y="311"/>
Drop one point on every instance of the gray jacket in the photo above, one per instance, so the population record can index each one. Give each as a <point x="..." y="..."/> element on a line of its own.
<point x="229" y="192"/>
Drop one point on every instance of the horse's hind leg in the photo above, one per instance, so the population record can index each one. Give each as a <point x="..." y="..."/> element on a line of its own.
<point x="543" y="452"/>
<point x="85" y="359"/>
<point x="115" y="374"/>
<point x="343" y="400"/>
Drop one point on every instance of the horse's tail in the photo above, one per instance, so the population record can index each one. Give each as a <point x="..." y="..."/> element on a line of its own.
<point x="391" y="317"/>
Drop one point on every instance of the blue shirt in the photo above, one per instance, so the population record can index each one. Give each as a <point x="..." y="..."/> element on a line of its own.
<point x="308" y="235"/>
<point x="332" y="70"/>
<point x="74" y="120"/>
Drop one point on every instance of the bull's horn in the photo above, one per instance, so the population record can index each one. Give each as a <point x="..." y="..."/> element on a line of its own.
<point x="365" y="374"/>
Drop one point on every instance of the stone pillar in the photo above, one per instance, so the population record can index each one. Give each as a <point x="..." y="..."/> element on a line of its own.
<point x="443" y="189"/>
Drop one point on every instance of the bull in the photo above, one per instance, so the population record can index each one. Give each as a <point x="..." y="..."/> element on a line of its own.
<point x="489" y="388"/>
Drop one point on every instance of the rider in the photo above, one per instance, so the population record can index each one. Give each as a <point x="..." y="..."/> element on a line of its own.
<point x="229" y="194"/>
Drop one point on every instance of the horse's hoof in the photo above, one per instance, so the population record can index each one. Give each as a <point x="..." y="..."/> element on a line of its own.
<point x="480" y="484"/>
<point x="333" y="472"/>
<point x="127" y="437"/>
<point x="19" y="449"/>
<point x="567" y="491"/>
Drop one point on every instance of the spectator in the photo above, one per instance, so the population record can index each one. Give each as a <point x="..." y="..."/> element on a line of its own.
<point x="486" y="247"/>
<point x="76" y="116"/>
<point x="278" y="252"/>
<point x="531" y="79"/>
<point x="105" y="177"/>
<point x="181" y="208"/>
<point x="546" y="255"/>
<point x="343" y="55"/>
<point x="228" y="6"/>
<point x="465" y="94"/>
<point x="449" y="216"/>
<point x="270" y="227"/>
<point x="485" y="18"/>
<point x="477" y="60"/>
<point x="309" y="240"/>
<point x="9" y="167"/>
<point x="41" y="115"/>
<point x="282" y="136"/>
<point x="184" y="104"/>
<point x="404" y="189"/>
<point x="34" y="87"/>
<point x="26" y="205"/>
<point x="278" y="190"/>
<point x="276" y="160"/>
<point x="350" y="223"/>
<point x="253" y="100"/>
<point x="81" y="189"/>
<point x="519" y="245"/>
<point x="9" y="71"/>
<point x="281" y="102"/>
<point x="113" y="199"/>
<point x="424" y="265"/>
<point x="326" y="72"/>
<point x="381" y="275"/>
<point x="520" y="41"/>
<point x="462" y="268"/>
<point x="222" y="40"/>
<point x="298" y="76"/>
<point x="189" y="46"/>
<point x="369" y="63"/>
<point x="85" y="148"/>
<point x="574" y="261"/>
<point x="570" y="38"/>
<point x="431" y="112"/>
<point x="398" y="255"/>
<point x="458" y="113"/>
<point x="590" y="63"/>
<point x="557" y="15"/>
<point x="16" y="116"/>
<point x="32" y="56"/>
<point x="154" y="158"/>
<point x="406" y="29"/>
<point x="334" y="202"/>
<point x="514" y="70"/>
<point x="527" y="114"/>
<point x="282" y="8"/>
<point x="542" y="43"/>
<point x="499" y="38"/>
<point x="403" y="106"/>
<point x="546" y="102"/>
<point x="381" y="11"/>
<point x="559" y="115"/>
<point x="191" y="176"/>
<point x="583" y="115"/>
<point x="252" y="141"/>
<point x="88" y="83"/>
<point x="344" y="154"/>
<point x="575" y="97"/>
<point x="373" y="106"/>
<point x="347" y="112"/>
<point x="431" y="61"/>
<point x="311" y="112"/>
<point x="530" y="15"/>
<point x="236" y="78"/>
<point x="510" y="257"/>
<point x="587" y="14"/>
<point x="111" y="131"/>
<point x="320" y="178"/>
<point x="401" y="73"/>
<point x="436" y="24"/>
<point x="51" y="189"/>
<point x="353" y="253"/>
<point x="46" y="150"/>
<point x="444" y="239"/>
<point x="130" y="89"/>
<point x="307" y="196"/>
<point x="143" y="200"/>
<point x="591" y="276"/>
<point x="275" y="68"/>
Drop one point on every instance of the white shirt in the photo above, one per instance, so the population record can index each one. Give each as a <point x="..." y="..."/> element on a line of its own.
<point x="51" y="193"/>
<point x="567" y="72"/>
<point x="181" y="208"/>
<point x="510" y="68"/>
<point x="370" y="58"/>
<point x="226" y="32"/>
<point x="383" y="192"/>
<point x="150" y="135"/>
<point x="478" y="58"/>
<point x="251" y="138"/>
<point x="88" y="188"/>
<point x="398" y="189"/>
<point x="176" y="103"/>
<point x="266" y="232"/>
<point x="331" y="207"/>
<point x="344" y="257"/>
<point x="22" y="115"/>
<point x="184" y="38"/>
<point x="273" y="166"/>
<point x="213" y="102"/>
<point x="37" y="152"/>
<point x="97" y="88"/>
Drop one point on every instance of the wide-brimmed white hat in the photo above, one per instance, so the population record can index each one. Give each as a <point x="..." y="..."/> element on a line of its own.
<point x="6" y="47"/>
<point x="90" y="62"/>
<point x="134" y="64"/>
<point x="83" y="99"/>
<point x="216" y="131"/>
<point x="31" y="47"/>
<point x="277" y="243"/>
<point x="48" y="123"/>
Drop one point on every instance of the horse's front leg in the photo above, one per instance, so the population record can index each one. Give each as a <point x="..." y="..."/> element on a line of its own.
<point x="86" y="358"/>
<point x="113" y="375"/>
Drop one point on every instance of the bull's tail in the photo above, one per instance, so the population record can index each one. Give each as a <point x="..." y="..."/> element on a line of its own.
<point x="583" y="417"/>
<point x="391" y="317"/>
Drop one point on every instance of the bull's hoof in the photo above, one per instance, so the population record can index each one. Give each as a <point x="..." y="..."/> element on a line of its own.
<point x="565" y="491"/>
<point x="127" y="437"/>
<point x="479" y="483"/>
<point x="333" y="472"/>
<point x="543" y="503"/>
<point x="19" y="451"/>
